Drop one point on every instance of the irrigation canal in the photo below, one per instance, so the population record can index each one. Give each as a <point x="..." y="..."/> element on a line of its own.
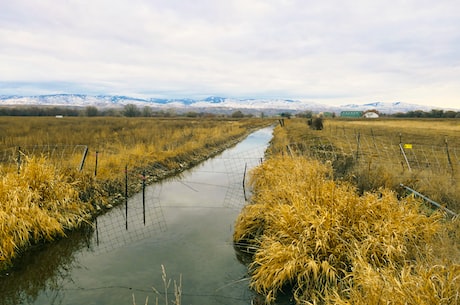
<point x="184" y="223"/>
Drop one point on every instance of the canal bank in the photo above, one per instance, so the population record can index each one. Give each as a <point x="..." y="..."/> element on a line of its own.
<point x="188" y="229"/>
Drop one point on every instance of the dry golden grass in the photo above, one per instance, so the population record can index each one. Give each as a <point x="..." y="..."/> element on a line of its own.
<point x="377" y="161"/>
<point x="39" y="204"/>
<point x="46" y="194"/>
<point x="119" y="141"/>
<point x="328" y="244"/>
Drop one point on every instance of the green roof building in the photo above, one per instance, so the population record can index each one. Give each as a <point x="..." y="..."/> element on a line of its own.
<point x="351" y="114"/>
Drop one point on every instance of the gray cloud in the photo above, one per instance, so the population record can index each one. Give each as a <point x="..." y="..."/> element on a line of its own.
<point x="336" y="51"/>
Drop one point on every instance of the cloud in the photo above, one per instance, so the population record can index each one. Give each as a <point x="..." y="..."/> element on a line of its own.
<point x="330" y="50"/>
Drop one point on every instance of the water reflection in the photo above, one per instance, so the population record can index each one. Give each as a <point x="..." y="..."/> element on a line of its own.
<point x="42" y="269"/>
<point x="115" y="230"/>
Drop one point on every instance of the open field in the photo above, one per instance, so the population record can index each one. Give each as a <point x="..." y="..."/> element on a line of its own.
<point x="421" y="154"/>
<point x="329" y="223"/>
<point x="59" y="173"/>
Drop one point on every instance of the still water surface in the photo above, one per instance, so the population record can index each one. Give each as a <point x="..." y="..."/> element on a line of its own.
<point x="188" y="228"/>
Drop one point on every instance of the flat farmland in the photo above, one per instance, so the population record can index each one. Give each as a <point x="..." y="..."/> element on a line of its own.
<point x="423" y="154"/>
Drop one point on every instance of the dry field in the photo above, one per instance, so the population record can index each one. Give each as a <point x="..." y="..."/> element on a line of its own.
<point x="422" y="154"/>
<point x="58" y="173"/>
<point x="317" y="227"/>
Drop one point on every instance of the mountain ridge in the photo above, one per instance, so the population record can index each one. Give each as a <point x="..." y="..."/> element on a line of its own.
<point x="211" y="102"/>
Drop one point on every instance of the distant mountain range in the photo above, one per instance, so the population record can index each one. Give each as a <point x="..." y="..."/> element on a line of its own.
<point x="209" y="104"/>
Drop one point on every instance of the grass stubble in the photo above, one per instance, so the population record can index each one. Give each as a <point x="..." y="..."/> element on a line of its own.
<point x="325" y="241"/>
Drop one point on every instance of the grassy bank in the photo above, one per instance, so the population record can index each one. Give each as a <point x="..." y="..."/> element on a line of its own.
<point x="327" y="244"/>
<point x="47" y="190"/>
<point x="313" y="230"/>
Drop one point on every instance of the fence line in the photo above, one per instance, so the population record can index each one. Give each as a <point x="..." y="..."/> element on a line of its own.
<point x="438" y="159"/>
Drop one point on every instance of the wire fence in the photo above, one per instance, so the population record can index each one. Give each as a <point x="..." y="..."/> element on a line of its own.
<point x="436" y="159"/>
<point x="142" y="215"/>
<point x="406" y="164"/>
<point x="432" y="158"/>
<point x="221" y="186"/>
<point x="60" y="155"/>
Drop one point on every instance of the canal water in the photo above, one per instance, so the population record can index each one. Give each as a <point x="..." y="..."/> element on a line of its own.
<point x="184" y="224"/>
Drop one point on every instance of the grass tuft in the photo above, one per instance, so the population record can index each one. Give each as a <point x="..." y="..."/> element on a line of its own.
<point x="328" y="244"/>
<point x="38" y="204"/>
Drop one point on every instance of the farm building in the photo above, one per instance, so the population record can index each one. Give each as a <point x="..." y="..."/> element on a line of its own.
<point x="351" y="114"/>
<point x="371" y="115"/>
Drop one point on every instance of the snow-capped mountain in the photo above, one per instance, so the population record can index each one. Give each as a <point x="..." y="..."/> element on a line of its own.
<point x="212" y="103"/>
<point x="387" y="108"/>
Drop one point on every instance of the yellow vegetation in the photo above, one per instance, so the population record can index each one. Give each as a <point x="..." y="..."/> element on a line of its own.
<point x="46" y="193"/>
<point x="328" y="245"/>
<point x="37" y="204"/>
<point x="367" y="153"/>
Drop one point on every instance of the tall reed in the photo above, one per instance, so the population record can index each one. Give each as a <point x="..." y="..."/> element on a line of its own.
<point x="38" y="204"/>
<point x="328" y="244"/>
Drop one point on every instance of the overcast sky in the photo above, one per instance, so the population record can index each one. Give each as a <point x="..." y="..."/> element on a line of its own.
<point x="323" y="51"/>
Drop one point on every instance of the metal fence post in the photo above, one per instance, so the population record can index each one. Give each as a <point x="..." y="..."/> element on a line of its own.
<point x="143" y="195"/>
<point x="95" y="165"/>
<point x="448" y="156"/>
<point x="19" y="159"/>
<point x="83" y="159"/>
<point x="244" y="181"/>
<point x="404" y="155"/>
<point x="126" y="195"/>
<point x="357" y="146"/>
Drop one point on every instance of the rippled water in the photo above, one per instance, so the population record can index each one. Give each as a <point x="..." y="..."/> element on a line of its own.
<point x="185" y="223"/>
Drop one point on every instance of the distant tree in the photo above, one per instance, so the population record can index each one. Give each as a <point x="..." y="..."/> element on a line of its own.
<point x="112" y="112"/>
<point x="436" y="113"/>
<point x="285" y="115"/>
<point x="191" y="114"/>
<point x="305" y="114"/>
<point x="131" y="110"/>
<point x="91" y="111"/>
<point x="237" y="114"/>
<point x="147" y="111"/>
<point x="450" y="114"/>
<point x="208" y="115"/>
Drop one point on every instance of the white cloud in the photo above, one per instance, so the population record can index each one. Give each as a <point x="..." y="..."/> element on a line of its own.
<point x="328" y="50"/>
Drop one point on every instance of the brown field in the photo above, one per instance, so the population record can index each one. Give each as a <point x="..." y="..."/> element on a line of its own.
<point x="329" y="223"/>
<point x="59" y="173"/>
